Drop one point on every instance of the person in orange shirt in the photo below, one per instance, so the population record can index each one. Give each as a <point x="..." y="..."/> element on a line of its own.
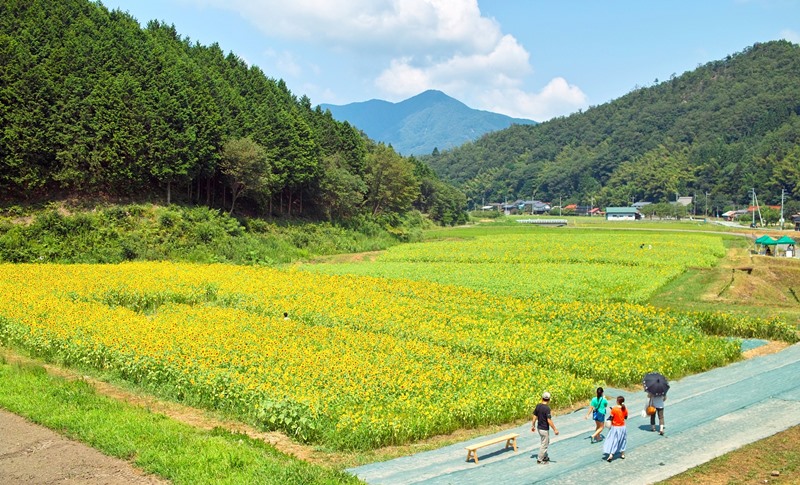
<point x="617" y="439"/>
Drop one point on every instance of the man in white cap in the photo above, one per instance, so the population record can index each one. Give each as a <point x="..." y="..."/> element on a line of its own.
<point x="542" y="422"/>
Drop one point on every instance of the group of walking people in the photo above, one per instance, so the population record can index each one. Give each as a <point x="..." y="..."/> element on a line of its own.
<point x="616" y="441"/>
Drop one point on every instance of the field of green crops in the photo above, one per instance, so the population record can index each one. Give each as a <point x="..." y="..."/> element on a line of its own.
<point x="552" y="265"/>
<point x="363" y="361"/>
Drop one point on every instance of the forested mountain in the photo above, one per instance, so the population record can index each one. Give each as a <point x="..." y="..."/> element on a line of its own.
<point x="722" y="129"/>
<point x="421" y="124"/>
<point x="92" y="103"/>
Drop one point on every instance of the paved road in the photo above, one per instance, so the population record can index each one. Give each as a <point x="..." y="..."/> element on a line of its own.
<point x="707" y="415"/>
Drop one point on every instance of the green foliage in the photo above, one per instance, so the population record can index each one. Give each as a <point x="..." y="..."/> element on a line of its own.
<point x="391" y="183"/>
<point x="92" y="104"/>
<point x="290" y="417"/>
<point x="245" y="164"/>
<point x="139" y="232"/>
<point x="719" y="323"/>
<point x="721" y="129"/>
<point x="486" y="214"/>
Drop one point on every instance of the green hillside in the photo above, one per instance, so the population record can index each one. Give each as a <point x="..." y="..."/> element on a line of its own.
<point x="722" y="129"/>
<point x="92" y="104"/>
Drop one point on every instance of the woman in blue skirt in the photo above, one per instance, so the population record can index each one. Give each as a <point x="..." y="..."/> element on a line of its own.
<point x="597" y="410"/>
<point x="617" y="439"/>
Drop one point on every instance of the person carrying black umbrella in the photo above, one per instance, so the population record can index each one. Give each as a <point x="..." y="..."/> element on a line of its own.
<point x="658" y="403"/>
<point x="656" y="386"/>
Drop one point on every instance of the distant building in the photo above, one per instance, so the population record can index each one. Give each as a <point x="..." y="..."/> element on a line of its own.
<point x="796" y="221"/>
<point x="732" y="215"/>
<point x="533" y="206"/>
<point x="640" y="204"/>
<point x="622" y="214"/>
<point x="684" y="201"/>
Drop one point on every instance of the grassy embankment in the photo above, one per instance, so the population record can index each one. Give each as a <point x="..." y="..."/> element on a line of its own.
<point x="149" y="440"/>
<point x="61" y="233"/>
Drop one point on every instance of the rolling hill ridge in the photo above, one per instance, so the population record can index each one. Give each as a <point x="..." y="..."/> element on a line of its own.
<point x="430" y="120"/>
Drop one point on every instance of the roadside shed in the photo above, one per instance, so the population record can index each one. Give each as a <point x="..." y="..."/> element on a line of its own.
<point x="622" y="214"/>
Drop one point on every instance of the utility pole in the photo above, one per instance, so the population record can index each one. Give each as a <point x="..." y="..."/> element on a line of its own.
<point x="559" y="206"/>
<point x="783" y="191"/>
<point x="705" y="212"/>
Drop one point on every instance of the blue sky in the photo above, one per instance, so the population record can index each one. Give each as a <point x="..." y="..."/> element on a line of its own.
<point x="532" y="59"/>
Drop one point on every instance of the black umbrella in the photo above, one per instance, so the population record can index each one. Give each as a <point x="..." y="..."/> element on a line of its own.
<point x="655" y="384"/>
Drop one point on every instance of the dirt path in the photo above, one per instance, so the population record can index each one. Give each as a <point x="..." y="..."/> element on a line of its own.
<point x="30" y="453"/>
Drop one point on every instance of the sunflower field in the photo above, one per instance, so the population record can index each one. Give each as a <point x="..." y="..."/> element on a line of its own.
<point x="345" y="361"/>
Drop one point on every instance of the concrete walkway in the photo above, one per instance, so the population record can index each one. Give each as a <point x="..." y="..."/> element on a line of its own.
<point x="707" y="415"/>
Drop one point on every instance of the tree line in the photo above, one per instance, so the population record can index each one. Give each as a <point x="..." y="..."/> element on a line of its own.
<point x="716" y="132"/>
<point x="92" y="103"/>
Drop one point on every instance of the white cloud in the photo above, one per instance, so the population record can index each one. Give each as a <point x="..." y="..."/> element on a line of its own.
<point x="557" y="98"/>
<point x="504" y="65"/>
<point x="790" y="35"/>
<point x="358" y="23"/>
<point x="408" y="46"/>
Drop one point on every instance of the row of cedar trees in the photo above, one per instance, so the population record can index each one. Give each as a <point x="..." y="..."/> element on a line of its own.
<point x="92" y="103"/>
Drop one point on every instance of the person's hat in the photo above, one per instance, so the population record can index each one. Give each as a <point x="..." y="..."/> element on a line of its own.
<point x="546" y="396"/>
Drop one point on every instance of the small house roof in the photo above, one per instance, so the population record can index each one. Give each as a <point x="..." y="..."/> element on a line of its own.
<point x="621" y="210"/>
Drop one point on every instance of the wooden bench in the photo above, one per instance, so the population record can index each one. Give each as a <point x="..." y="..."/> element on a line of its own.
<point x="472" y="450"/>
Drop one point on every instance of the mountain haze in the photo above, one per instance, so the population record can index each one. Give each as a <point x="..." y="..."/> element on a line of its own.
<point x="419" y="124"/>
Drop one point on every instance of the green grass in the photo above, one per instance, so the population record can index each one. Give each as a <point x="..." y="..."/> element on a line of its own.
<point x="113" y="234"/>
<point x="509" y="225"/>
<point x="150" y="441"/>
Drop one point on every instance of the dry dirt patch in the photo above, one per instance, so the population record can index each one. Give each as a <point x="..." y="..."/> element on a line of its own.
<point x="30" y="453"/>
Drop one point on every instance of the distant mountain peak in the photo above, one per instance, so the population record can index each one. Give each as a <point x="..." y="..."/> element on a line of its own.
<point x="417" y="125"/>
<point x="433" y="95"/>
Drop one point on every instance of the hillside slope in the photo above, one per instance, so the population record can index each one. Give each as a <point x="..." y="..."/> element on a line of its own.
<point x="93" y="103"/>
<point x="722" y="129"/>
